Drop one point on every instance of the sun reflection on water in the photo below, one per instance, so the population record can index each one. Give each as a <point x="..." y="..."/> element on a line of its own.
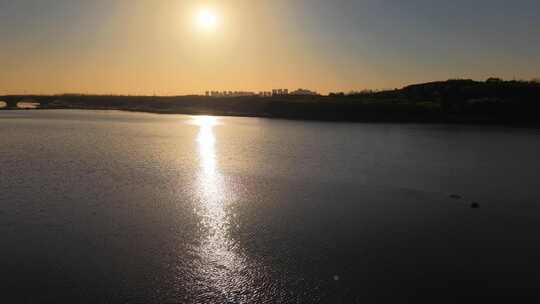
<point x="219" y="258"/>
<point x="206" y="143"/>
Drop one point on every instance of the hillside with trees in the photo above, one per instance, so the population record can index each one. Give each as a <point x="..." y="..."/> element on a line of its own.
<point x="451" y="101"/>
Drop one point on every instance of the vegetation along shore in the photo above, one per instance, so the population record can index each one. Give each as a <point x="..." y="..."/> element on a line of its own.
<point x="452" y="101"/>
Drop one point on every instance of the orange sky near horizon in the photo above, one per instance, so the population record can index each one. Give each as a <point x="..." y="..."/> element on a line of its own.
<point x="157" y="47"/>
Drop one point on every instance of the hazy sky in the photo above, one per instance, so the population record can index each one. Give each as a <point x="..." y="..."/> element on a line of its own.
<point x="147" y="46"/>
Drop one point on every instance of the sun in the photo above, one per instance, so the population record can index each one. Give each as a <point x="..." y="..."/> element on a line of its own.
<point x="207" y="19"/>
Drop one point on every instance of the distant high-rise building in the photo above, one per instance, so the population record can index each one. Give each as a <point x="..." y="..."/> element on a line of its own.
<point x="280" y="92"/>
<point x="304" y="92"/>
<point x="232" y="93"/>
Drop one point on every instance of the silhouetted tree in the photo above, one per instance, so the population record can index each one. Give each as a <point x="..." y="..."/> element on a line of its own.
<point x="494" y="79"/>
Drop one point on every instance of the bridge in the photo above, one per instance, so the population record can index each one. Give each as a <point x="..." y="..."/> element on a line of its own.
<point x="12" y="101"/>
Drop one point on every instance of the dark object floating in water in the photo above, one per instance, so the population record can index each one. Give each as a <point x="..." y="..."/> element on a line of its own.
<point x="455" y="196"/>
<point x="475" y="205"/>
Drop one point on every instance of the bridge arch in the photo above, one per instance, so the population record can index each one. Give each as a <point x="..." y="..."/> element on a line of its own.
<point x="28" y="103"/>
<point x="25" y="101"/>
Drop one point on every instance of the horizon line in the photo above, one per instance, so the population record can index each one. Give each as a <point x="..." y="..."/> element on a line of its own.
<point x="351" y="91"/>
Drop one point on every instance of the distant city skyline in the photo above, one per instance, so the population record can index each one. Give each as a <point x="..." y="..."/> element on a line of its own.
<point x="184" y="47"/>
<point x="272" y="93"/>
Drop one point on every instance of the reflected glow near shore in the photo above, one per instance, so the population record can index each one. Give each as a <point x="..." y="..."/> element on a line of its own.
<point x="206" y="143"/>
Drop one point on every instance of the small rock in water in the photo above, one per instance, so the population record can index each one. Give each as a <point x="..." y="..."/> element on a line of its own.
<point x="455" y="196"/>
<point x="475" y="205"/>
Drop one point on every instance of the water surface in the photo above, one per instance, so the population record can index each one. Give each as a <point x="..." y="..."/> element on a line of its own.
<point x="104" y="206"/>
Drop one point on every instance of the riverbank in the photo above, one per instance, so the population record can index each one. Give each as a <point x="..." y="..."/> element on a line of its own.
<point x="453" y="101"/>
<point x="439" y="119"/>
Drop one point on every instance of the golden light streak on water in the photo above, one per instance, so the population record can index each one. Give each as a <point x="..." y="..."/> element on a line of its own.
<point x="206" y="143"/>
<point x="220" y="262"/>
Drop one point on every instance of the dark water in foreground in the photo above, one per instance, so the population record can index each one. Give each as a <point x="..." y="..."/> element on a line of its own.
<point x="110" y="207"/>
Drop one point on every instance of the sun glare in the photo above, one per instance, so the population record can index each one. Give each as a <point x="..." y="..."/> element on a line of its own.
<point x="207" y="19"/>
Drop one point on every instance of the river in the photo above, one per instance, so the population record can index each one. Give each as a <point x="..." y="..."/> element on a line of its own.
<point x="107" y="206"/>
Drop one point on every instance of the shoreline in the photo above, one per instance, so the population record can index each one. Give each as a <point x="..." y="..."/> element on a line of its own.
<point x="212" y="112"/>
<point x="462" y="101"/>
